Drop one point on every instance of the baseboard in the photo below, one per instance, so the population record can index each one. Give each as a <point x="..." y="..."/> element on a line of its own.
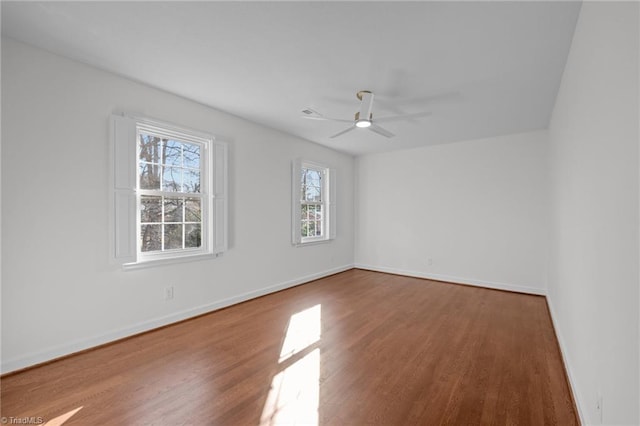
<point x="456" y="280"/>
<point x="52" y="353"/>
<point x="567" y="367"/>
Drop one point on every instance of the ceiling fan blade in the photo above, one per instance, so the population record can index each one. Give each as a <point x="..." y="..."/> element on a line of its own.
<point x="343" y="132"/>
<point x="339" y="120"/>
<point x="401" y="117"/>
<point x="310" y="117"/>
<point x="312" y="114"/>
<point x="379" y="130"/>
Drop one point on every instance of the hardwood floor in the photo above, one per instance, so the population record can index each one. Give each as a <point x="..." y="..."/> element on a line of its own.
<point x="355" y="348"/>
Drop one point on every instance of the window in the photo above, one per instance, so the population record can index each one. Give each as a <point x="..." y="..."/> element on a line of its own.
<point x="169" y="187"/>
<point x="169" y="195"/>
<point x="313" y="202"/>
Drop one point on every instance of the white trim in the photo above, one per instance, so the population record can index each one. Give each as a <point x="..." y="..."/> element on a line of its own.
<point x="296" y="193"/>
<point x="456" y="280"/>
<point x="313" y="242"/>
<point x="180" y="257"/>
<point x="122" y="198"/>
<point x="563" y="352"/>
<point x="78" y="345"/>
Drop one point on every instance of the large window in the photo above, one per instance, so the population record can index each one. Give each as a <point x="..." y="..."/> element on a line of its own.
<point x="170" y="187"/>
<point x="314" y="202"/>
<point x="169" y="192"/>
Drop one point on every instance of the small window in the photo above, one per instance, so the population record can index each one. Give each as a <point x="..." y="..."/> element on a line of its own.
<point x="314" y="205"/>
<point x="169" y="192"/>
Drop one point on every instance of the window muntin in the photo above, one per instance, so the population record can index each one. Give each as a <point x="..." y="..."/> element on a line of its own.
<point x="171" y="193"/>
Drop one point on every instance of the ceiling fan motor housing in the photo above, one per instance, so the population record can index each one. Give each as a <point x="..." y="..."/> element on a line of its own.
<point x="361" y="93"/>
<point x="364" y="116"/>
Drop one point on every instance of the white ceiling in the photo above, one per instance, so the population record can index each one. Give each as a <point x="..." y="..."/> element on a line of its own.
<point x="482" y="68"/>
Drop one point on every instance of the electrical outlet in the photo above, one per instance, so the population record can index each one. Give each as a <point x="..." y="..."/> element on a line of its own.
<point x="599" y="406"/>
<point x="168" y="293"/>
<point x="430" y="261"/>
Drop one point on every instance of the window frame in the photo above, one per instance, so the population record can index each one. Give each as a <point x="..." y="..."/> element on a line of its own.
<point x="205" y="142"/>
<point x="327" y="194"/>
<point x="125" y="198"/>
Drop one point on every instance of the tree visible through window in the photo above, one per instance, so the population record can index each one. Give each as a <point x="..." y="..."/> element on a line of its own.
<point x="171" y="203"/>
<point x="312" y="192"/>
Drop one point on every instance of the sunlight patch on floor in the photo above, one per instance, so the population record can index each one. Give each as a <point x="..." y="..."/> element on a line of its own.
<point x="303" y="331"/>
<point x="295" y="391"/>
<point x="294" y="395"/>
<point x="58" y="421"/>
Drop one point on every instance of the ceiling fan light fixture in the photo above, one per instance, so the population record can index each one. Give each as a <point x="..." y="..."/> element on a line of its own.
<point x="362" y="123"/>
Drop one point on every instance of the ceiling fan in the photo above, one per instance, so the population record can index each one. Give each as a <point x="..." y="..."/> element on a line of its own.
<point x="363" y="118"/>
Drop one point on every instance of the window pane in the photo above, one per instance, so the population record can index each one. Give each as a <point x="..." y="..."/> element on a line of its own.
<point x="173" y="209"/>
<point x="172" y="237"/>
<point x="192" y="181"/>
<point x="172" y="179"/>
<point x="191" y="154"/>
<point x="172" y="152"/>
<point x="193" y="210"/>
<point x="149" y="176"/>
<point x="305" y="228"/>
<point x="304" y="211"/>
<point x="311" y="229"/>
<point x="150" y="209"/>
<point x="192" y="238"/>
<point x="149" y="148"/>
<point x="313" y="177"/>
<point x="312" y="193"/>
<point x="311" y="185"/>
<point x="150" y="238"/>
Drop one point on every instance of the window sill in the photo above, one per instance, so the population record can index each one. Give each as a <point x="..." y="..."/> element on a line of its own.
<point x="313" y="242"/>
<point x="152" y="263"/>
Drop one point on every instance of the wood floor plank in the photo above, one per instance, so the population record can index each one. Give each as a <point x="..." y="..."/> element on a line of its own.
<point x="392" y="351"/>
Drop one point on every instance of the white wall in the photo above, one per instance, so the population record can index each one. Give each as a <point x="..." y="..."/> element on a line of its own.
<point x="59" y="293"/>
<point x="594" y="280"/>
<point x="478" y="209"/>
